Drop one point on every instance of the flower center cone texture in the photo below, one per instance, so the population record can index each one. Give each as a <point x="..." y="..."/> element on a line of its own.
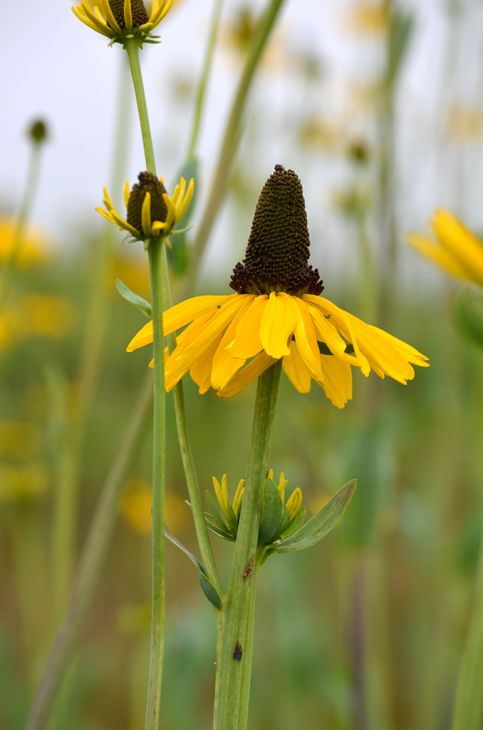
<point x="148" y="183"/>
<point x="277" y="255"/>
<point x="139" y="14"/>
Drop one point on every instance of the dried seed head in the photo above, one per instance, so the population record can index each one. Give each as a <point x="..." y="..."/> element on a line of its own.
<point x="38" y="131"/>
<point x="139" y="14"/>
<point x="278" y="252"/>
<point x="148" y="183"/>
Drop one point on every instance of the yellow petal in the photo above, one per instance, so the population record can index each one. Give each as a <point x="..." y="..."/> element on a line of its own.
<point x="306" y="340"/>
<point x="278" y="323"/>
<point x="200" y="370"/>
<point x="296" y="370"/>
<point x="225" y="365"/>
<point x="337" y="383"/>
<point x="247" y="375"/>
<point x="326" y="332"/>
<point x="246" y="342"/>
<point x="461" y="243"/>
<point x="434" y="252"/>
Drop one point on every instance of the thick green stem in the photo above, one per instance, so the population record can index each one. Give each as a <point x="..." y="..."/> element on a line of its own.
<point x="205" y="75"/>
<point x="132" y="49"/>
<point x="229" y="144"/>
<point x="234" y="669"/>
<point x="31" y="186"/>
<point x="158" y="268"/>
<point x="89" y="568"/>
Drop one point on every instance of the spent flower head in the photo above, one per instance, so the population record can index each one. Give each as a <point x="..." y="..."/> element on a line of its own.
<point x="151" y="212"/>
<point x="120" y="20"/>
<point x="228" y="341"/>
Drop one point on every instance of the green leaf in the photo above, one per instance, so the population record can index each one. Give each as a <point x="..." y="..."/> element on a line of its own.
<point x="320" y="524"/>
<point x="400" y="34"/>
<point x="137" y="301"/>
<point x="206" y="586"/>
<point x="295" y="524"/>
<point x="468" y="315"/>
<point x="216" y="513"/>
<point x="178" y="255"/>
<point x="272" y="513"/>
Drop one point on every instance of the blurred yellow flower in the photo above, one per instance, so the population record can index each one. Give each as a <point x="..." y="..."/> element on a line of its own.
<point x="18" y="440"/>
<point x="22" y="482"/>
<point x="136" y="504"/>
<point x="277" y="313"/>
<point x="367" y="18"/>
<point x="132" y="270"/>
<point x="452" y="246"/>
<point x="36" y="315"/>
<point x="464" y="123"/>
<point x="150" y="210"/>
<point x="34" y="245"/>
<point x="122" y="19"/>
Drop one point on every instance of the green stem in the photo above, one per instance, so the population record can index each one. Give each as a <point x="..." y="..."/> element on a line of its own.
<point x="205" y="75"/>
<point x="235" y="667"/>
<point x="229" y="144"/>
<point x="132" y="50"/>
<point x="33" y="174"/>
<point x="468" y="713"/>
<point x="158" y="271"/>
<point x="67" y="493"/>
<point x="89" y="568"/>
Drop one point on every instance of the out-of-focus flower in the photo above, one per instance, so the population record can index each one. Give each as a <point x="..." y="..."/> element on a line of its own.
<point x="280" y="516"/>
<point x="464" y="123"/>
<point x="277" y="313"/>
<point x="22" y="482"/>
<point x="122" y="19"/>
<point x="36" y="315"/>
<point x="452" y="246"/>
<point x="136" y="507"/>
<point x="238" y="32"/>
<point x="18" y="440"/>
<point x="132" y="270"/>
<point x="367" y="18"/>
<point x="151" y="212"/>
<point x="33" y="250"/>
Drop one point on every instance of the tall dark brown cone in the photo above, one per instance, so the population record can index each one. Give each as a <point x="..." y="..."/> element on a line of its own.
<point x="148" y="183"/>
<point x="139" y="14"/>
<point x="277" y="255"/>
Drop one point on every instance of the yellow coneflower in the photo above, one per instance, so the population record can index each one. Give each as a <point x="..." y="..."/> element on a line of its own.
<point x="453" y="247"/>
<point x="366" y="18"/>
<point x="137" y="503"/>
<point x="151" y="211"/>
<point x="122" y="19"/>
<point x="277" y="313"/>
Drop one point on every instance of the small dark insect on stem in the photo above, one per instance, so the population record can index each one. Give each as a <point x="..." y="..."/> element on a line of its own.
<point x="237" y="654"/>
<point x="248" y="569"/>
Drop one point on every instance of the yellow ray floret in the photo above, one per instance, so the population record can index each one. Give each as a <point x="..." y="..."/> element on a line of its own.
<point x="228" y="341"/>
<point x="119" y="20"/>
<point x="452" y="247"/>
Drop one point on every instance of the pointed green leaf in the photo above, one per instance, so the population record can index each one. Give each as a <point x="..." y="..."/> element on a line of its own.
<point x="178" y="255"/>
<point x="295" y="524"/>
<point x="320" y="524"/>
<point x="137" y="301"/>
<point x="207" y="587"/>
<point x="217" y="514"/>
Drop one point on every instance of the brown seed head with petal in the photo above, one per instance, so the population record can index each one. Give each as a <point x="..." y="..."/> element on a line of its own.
<point x="278" y="252"/>
<point x="139" y="14"/>
<point x="148" y="183"/>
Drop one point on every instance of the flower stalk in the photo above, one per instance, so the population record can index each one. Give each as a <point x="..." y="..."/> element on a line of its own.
<point x="235" y="661"/>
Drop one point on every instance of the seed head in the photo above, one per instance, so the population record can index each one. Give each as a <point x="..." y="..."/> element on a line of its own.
<point x="139" y="14"/>
<point x="148" y="183"/>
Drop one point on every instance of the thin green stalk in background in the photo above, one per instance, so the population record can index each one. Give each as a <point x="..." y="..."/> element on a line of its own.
<point x="158" y="271"/>
<point x="90" y="566"/>
<point x="31" y="186"/>
<point x="67" y="489"/>
<point x="235" y="663"/>
<point x="205" y="76"/>
<point x="468" y="713"/>
<point x="231" y="135"/>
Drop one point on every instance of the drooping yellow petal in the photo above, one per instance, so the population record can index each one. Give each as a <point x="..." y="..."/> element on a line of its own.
<point x="296" y="370"/>
<point x="225" y="365"/>
<point x="337" y="383"/>
<point x="246" y="342"/>
<point x="200" y="370"/>
<point x="247" y="375"/>
<point x="464" y="247"/>
<point x="178" y="316"/>
<point x="434" y="252"/>
<point x="306" y="340"/>
<point x="278" y="323"/>
<point x="326" y="332"/>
